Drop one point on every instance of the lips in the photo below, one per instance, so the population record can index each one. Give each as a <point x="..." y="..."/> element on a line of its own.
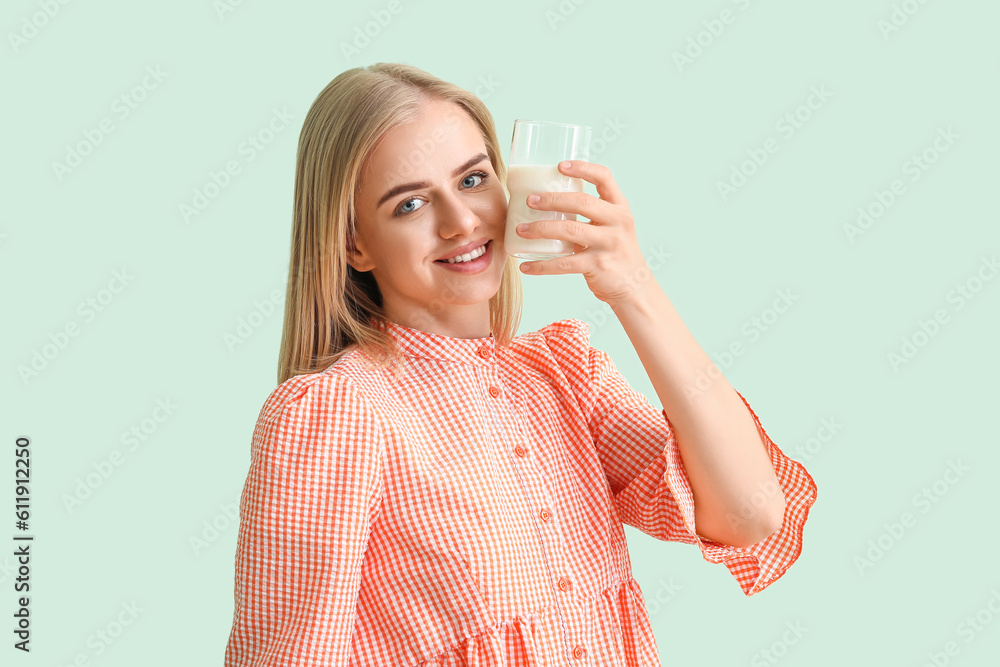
<point x="469" y="247"/>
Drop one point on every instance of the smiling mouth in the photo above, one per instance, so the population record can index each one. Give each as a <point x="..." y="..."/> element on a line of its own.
<point x="467" y="257"/>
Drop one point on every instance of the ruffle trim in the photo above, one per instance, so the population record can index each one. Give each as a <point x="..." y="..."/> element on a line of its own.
<point x="755" y="567"/>
<point x="759" y="565"/>
<point x="616" y="619"/>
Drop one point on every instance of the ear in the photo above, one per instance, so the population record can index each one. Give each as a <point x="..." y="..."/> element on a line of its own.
<point x="357" y="257"/>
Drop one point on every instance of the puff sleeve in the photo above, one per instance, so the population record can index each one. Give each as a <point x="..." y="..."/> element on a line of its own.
<point x="312" y="493"/>
<point x="637" y="448"/>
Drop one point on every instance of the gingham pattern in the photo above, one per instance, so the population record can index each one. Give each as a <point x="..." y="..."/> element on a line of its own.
<point x="470" y="512"/>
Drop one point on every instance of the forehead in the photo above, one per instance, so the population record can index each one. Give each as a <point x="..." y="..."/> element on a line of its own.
<point x="443" y="137"/>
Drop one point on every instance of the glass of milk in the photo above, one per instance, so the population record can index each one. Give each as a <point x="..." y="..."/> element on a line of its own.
<point x="536" y="149"/>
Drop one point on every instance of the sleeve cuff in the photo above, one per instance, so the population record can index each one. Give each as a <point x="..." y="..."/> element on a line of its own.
<point x="757" y="566"/>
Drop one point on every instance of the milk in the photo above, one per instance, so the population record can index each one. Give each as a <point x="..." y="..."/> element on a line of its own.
<point x="523" y="180"/>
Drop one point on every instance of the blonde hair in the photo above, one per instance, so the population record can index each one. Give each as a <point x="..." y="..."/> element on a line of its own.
<point x="330" y="308"/>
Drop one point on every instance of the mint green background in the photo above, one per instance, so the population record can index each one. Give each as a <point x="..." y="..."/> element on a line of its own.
<point x="826" y="358"/>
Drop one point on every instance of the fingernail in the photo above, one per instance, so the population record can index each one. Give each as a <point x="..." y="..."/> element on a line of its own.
<point x="533" y="199"/>
<point x="565" y="165"/>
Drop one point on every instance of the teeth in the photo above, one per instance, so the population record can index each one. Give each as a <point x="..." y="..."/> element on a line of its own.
<point x="478" y="252"/>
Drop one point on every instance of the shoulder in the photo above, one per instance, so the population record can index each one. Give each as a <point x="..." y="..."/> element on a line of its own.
<point x="564" y="339"/>
<point x="560" y="347"/>
<point x="322" y="421"/>
<point x="338" y="390"/>
<point x="568" y="333"/>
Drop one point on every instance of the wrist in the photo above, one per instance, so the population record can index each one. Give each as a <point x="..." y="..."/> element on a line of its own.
<point x="639" y="297"/>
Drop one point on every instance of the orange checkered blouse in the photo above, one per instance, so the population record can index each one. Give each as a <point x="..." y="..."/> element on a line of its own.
<point x="470" y="512"/>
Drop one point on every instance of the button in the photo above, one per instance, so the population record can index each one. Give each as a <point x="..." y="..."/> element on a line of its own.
<point x="520" y="451"/>
<point x="494" y="392"/>
<point x="579" y="652"/>
<point x="563" y="584"/>
<point x="544" y="514"/>
<point x="484" y="352"/>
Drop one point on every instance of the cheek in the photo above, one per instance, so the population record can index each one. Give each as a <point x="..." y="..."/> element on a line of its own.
<point x="413" y="250"/>
<point x="498" y="207"/>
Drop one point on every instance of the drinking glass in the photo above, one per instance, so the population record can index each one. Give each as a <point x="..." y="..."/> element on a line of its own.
<point x="537" y="147"/>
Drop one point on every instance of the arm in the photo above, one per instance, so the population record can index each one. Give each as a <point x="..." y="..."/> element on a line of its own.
<point x="722" y="451"/>
<point x="638" y="451"/>
<point x="312" y="493"/>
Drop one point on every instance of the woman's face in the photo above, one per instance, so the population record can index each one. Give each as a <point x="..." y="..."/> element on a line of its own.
<point x="427" y="190"/>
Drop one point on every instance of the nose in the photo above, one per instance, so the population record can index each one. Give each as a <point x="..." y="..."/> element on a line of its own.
<point x="457" y="215"/>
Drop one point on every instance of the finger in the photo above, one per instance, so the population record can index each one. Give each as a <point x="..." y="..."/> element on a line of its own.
<point x="599" y="175"/>
<point x="585" y="204"/>
<point x="581" y="233"/>
<point x="556" y="266"/>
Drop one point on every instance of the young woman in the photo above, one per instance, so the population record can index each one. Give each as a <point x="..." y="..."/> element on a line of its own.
<point x="425" y="487"/>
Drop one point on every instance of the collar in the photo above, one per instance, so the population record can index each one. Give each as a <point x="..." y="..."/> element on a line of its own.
<point x="416" y="343"/>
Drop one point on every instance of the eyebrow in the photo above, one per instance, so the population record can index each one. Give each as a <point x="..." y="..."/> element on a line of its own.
<point x="406" y="187"/>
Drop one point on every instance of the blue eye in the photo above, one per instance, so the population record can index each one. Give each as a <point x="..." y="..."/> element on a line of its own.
<point x="404" y="210"/>
<point x="473" y="175"/>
